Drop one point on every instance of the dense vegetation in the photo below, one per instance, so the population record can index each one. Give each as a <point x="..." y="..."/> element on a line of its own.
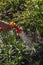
<point x="29" y="15"/>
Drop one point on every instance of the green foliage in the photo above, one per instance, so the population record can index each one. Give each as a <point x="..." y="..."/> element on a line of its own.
<point x="23" y="12"/>
<point x="29" y="15"/>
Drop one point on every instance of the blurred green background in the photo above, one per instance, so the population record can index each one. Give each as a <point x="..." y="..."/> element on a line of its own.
<point x="29" y="15"/>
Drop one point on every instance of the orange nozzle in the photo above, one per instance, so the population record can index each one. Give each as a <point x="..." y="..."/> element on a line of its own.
<point x="12" y="24"/>
<point x="18" y="29"/>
